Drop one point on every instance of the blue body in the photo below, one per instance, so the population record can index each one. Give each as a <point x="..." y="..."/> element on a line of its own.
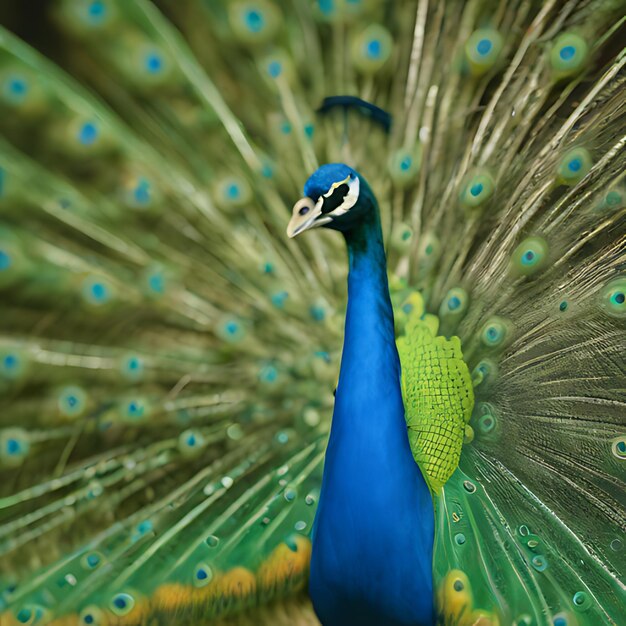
<point x="373" y="535"/>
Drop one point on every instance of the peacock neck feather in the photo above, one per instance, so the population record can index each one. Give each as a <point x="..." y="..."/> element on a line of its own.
<point x="372" y="546"/>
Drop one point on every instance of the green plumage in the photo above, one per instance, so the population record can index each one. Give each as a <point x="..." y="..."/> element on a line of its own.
<point x="168" y="356"/>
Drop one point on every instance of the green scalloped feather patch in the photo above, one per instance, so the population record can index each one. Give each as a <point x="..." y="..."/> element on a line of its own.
<point x="438" y="396"/>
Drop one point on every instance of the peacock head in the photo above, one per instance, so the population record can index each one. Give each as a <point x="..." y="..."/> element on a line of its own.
<point x="335" y="196"/>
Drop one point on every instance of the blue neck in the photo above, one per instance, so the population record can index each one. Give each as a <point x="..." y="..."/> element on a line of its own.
<point x="373" y="538"/>
<point x="369" y="350"/>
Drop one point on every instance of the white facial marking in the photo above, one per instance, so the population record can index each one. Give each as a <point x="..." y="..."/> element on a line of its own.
<point x="350" y="198"/>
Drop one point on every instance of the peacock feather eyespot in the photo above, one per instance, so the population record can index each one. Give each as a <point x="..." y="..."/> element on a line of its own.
<point x="14" y="446"/>
<point x="89" y="15"/>
<point x="254" y="22"/>
<point x="494" y="332"/>
<point x="612" y="200"/>
<point x="92" y="560"/>
<point x="530" y="256"/>
<point x="14" y="364"/>
<point x="191" y="442"/>
<point x="212" y="541"/>
<point x="202" y="575"/>
<point x="581" y="600"/>
<point x="568" y="55"/>
<point x="404" y="166"/>
<point x="97" y="291"/>
<point x="618" y="447"/>
<point x="477" y="188"/>
<point x="72" y="401"/>
<point x="132" y="367"/>
<point x="232" y="192"/>
<point x="613" y="297"/>
<point x="574" y="166"/>
<point x="482" y="50"/>
<point x="454" y="304"/>
<point x="485" y="373"/>
<point x="469" y="486"/>
<point x="15" y="89"/>
<point x="429" y="251"/>
<point x="401" y="237"/>
<point x="135" y="410"/>
<point x="277" y="66"/>
<point x="561" y="619"/>
<point x="371" y="49"/>
<point x="230" y="329"/>
<point x="539" y="562"/>
<point x="92" y="616"/>
<point x="122" y="603"/>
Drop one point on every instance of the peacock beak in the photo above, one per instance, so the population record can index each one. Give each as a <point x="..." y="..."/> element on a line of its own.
<point x="306" y="214"/>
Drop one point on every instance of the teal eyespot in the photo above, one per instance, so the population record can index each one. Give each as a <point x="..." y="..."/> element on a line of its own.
<point x="269" y="376"/>
<point x="92" y="616"/>
<point x="232" y="193"/>
<point x="92" y="560"/>
<point x="191" y="442"/>
<point x="14" y="446"/>
<point x="277" y="66"/>
<point x="72" y="401"/>
<point x="539" y="562"/>
<point x="581" y="600"/>
<point x="529" y="257"/>
<point x="574" y="166"/>
<point x="13" y="263"/>
<point x="15" y="88"/>
<point x="254" y="22"/>
<point x="88" y="133"/>
<point x="97" y="291"/>
<point x="230" y="329"/>
<point x="401" y="237"/>
<point x="429" y="251"/>
<point x="371" y="49"/>
<point x="155" y="281"/>
<point x="482" y="50"/>
<point x="618" y="447"/>
<point x="612" y="200"/>
<point x="132" y="367"/>
<point x="477" y="188"/>
<point x="317" y="312"/>
<point x="485" y="372"/>
<point x="14" y="364"/>
<point x="613" y="297"/>
<point x="122" y="604"/>
<point x="494" y="332"/>
<point x="486" y="423"/>
<point x="135" y="410"/>
<point x="454" y="304"/>
<point x="568" y="55"/>
<point x="279" y="298"/>
<point x="404" y="166"/>
<point x="31" y="614"/>
<point x="90" y="15"/>
<point x="202" y="575"/>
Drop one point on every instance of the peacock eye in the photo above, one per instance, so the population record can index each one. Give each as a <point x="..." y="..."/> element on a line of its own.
<point x="304" y="210"/>
<point x="335" y="199"/>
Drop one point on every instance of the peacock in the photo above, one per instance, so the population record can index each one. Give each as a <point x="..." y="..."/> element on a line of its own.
<point x="201" y="424"/>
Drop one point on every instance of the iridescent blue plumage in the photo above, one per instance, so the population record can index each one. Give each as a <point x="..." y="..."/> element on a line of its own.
<point x="373" y="538"/>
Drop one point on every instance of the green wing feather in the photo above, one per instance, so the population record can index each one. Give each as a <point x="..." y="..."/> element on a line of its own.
<point x="438" y="395"/>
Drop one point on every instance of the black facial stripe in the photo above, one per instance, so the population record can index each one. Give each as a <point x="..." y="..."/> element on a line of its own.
<point x="335" y="199"/>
